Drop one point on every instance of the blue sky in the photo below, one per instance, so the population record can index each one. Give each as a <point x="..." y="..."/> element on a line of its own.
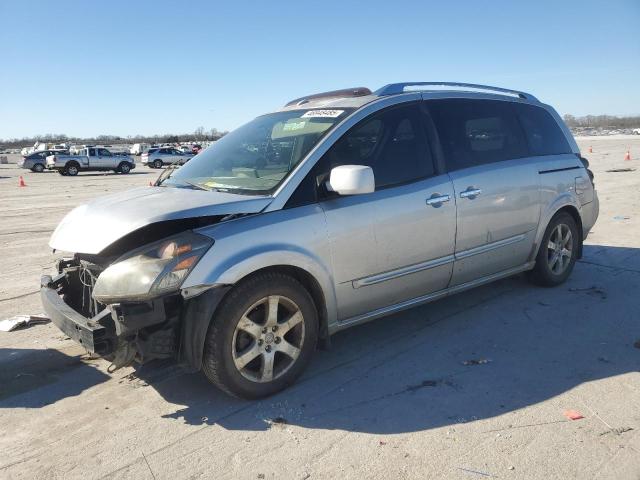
<point x="129" y="67"/>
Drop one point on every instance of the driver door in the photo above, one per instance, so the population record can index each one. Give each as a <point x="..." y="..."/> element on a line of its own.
<point x="395" y="244"/>
<point x="103" y="159"/>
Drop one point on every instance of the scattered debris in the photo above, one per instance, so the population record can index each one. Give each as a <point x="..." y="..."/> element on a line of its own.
<point x="511" y="467"/>
<point x="617" y="431"/>
<point x="204" y="419"/>
<point x="381" y="443"/>
<point x="261" y="475"/>
<point x="477" y="472"/>
<point x="621" y="217"/>
<point x="481" y="361"/>
<point x="573" y="414"/>
<point x="616" y="170"/>
<point x="278" y="421"/>
<point x="425" y="383"/>
<point x="594" y="291"/>
<point x="20" y="321"/>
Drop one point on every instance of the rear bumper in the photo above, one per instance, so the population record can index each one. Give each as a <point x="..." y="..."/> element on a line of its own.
<point x="91" y="333"/>
<point x="590" y="212"/>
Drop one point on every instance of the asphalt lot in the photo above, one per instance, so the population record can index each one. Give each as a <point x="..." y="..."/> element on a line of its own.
<point x="401" y="397"/>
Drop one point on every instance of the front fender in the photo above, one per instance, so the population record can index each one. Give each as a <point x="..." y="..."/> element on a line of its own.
<point x="231" y="270"/>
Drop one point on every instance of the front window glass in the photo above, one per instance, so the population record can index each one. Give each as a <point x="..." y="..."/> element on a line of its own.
<point x="257" y="157"/>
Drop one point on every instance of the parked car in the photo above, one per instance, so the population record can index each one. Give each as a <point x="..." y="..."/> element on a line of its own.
<point x="338" y="209"/>
<point x="36" y="161"/>
<point x="158" y="157"/>
<point x="138" y="148"/>
<point x="90" y="159"/>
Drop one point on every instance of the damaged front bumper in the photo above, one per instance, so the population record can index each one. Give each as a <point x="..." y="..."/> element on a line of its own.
<point x="165" y="327"/>
<point x="96" y="334"/>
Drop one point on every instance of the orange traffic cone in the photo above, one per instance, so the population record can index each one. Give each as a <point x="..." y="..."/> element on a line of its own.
<point x="21" y="182"/>
<point x="590" y="149"/>
<point x="627" y="156"/>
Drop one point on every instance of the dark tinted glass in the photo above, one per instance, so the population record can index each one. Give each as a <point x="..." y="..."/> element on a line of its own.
<point x="477" y="132"/>
<point x="92" y="152"/>
<point x="392" y="143"/>
<point x="543" y="133"/>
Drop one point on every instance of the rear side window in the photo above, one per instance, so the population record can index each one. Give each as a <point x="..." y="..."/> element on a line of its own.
<point x="392" y="142"/>
<point x="477" y="132"/>
<point x="543" y="133"/>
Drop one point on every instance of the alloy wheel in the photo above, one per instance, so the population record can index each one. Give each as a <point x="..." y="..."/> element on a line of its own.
<point x="560" y="249"/>
<point x="268" y="339"/>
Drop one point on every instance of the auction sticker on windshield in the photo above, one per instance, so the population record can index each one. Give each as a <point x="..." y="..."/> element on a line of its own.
<point x="322" y="114"/>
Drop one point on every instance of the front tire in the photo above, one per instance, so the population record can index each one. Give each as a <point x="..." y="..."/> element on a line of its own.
<point x="157" y="164"/>
<point x="262" y="338"/>
<point x="558" y="251"/>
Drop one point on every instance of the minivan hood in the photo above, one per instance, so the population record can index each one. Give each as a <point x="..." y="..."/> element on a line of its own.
<point x="92" y="227"/>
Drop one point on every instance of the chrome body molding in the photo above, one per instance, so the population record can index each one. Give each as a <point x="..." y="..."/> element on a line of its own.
<point x="382" y="277"/>
<point x="382" y="312"/>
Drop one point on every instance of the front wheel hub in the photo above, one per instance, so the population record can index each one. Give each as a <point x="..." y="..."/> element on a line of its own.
<point x="258" y="354"/>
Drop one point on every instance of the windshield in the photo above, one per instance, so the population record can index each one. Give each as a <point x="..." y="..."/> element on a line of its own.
<point x="257" y="157"/>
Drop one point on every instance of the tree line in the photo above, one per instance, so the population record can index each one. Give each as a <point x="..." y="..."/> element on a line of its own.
<point x="199" y="135"/>
<point x="602" y="121"/>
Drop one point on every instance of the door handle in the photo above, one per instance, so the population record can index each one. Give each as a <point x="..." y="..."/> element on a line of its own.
<point x="437" y="200"/>
<point x="470" y="193"/>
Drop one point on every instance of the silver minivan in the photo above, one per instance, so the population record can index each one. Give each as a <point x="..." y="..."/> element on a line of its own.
<point x="337" y="209"/>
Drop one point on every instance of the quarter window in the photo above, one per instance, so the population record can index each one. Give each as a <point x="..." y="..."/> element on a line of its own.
<point x="477" y="132"/>
<point x="544" y="136"/>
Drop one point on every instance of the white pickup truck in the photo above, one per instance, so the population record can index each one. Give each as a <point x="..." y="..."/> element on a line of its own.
<point x="90" y="159"/>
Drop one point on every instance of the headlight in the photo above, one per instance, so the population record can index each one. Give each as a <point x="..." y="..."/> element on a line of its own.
<point x="151" y="270"/>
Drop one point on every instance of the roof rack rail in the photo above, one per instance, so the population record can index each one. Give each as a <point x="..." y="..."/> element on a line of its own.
<point x="344" y="93"/>
<point x="396" y="88"/>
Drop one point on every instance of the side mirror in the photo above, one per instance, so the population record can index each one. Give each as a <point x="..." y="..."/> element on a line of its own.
<point x="351" y="180"/>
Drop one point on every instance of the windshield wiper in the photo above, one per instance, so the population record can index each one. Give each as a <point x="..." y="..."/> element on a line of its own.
<point x="197" y="185"/>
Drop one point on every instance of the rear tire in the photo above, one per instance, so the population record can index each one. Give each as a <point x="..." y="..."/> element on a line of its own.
<point x="558" y="251"/>
<point x="262" y="337"/>
<point x="38" y="168"/>
<point x="72" y="169"/>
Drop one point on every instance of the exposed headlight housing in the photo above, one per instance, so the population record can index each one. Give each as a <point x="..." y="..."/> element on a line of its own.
<point x="151" y="270"/>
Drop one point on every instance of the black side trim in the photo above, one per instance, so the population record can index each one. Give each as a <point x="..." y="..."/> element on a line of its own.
<point x="197" y="315"/>
<point x="559" y="170"/>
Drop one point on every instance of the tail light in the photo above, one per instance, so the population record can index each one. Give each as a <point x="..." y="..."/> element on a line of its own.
<point x="585" y="162"/>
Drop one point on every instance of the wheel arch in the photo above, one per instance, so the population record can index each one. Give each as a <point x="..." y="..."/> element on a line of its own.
<point x="310" y="284"/>
<point x="295" y="264"/>
<point x="567" y="204"/>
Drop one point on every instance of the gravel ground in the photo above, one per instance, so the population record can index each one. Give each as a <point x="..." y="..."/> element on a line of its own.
<point x="395" y="398"/>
